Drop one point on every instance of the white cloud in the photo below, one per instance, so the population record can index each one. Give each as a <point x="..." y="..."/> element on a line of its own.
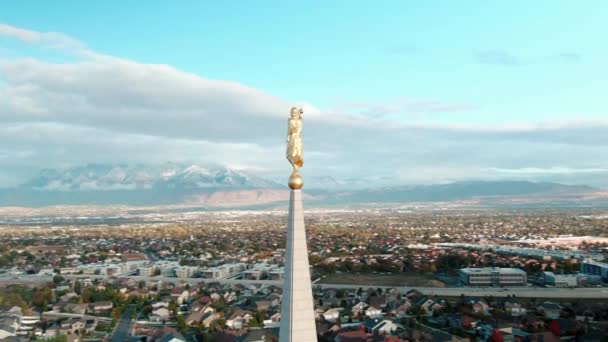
<point x="549" y="171"/>
<point x="107" y="109"/>
<point x="48" y="39"/>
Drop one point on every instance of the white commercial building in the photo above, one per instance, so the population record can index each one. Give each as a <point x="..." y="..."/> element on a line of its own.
<point x="223" y="271"/>
<point x="132" y="266"/>
<point x="90" y="269"/>
<point x="148" y="271"/>
<point x="258" y="271"/>
<point x="493" y="276"/>
<point x="167" y="268"/>
<point x="186" y="271"/>
<point x="561" y="280"/>
<point x="277" y="273"/>
<point x="592" y="267"/>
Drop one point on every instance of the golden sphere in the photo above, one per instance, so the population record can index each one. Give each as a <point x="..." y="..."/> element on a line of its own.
<point x="296" y="182"/>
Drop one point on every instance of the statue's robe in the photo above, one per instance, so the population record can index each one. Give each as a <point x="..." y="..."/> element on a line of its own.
<point x="295" y="154"/>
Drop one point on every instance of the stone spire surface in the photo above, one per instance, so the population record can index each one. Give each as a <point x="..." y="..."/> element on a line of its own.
<point x="297" y="311"/>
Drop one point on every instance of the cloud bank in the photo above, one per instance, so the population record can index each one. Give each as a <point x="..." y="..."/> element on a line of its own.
<point x="106" y="109"/>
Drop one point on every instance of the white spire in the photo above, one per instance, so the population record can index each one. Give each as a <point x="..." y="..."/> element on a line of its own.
<point x="297" y="312"/>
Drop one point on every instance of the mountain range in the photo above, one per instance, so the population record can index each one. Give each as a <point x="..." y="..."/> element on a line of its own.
<point x="103" y="177"/>
<point x="218" y="186"/>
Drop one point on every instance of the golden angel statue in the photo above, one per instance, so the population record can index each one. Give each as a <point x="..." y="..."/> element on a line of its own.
<point x="295" y="152"/>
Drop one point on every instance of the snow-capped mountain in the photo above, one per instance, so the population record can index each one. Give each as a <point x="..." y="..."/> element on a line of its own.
<point x="104" y="177"/>
<point x="217" y="186"/>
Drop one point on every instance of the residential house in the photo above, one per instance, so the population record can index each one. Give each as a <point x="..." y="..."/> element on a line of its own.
<point x="332" y="314"/>
<point x="173" y="337"/>
<point x="428" y="306"/>
<point x="180" y="295"/>
<point x="276" y="317"/>
<point x="141" y="293"/>
<point x="373" y="312"/>
<point x="262" y="305"/>
<point x="210" y="319"/>
<point x="550" y="310"/>
<point x="195" y="318"/>
<point x="102" y="306"/>
<point x="403" y="309"/>
<point x="79" y="309"/>
<point x="161" y="314"/>
<point x="10" y="321"/>
<point x="260" y="335"/>
<point x="359" y="309"/>
<point x="274" y="299"/>
<point x="566" y="327"/>
<point x="51" y="331"/>
<point x="511" y="334"/>
<point x="238" y="319"/>
<point x="318" y="313"/>
<point x="230" y="297"/>
<point x="90" y="325"/>
<point x="515" y="308"/>
<point x="158" y="305"/>
<point x="385" y="327"/>
<point x="72" y="326"/>
<point x="479" y="306"/>
<point x="378" y="301"/>
<point x="353" y="336"/>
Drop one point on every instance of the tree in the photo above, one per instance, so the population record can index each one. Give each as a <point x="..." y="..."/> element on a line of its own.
<point x="254" y="323"/>
<point x="219" y="304"/>
<point x="450" y="263"/>
<point x="57" y="279"/>
<point x="173" y="307"/>
<point x="314" y="259"/>
<point x="42" y="298"/>
<point x="103" y="256"/>
<point x="77" y="287"/>
<point x="115" y="314"/>
<point x="181" y="323"/>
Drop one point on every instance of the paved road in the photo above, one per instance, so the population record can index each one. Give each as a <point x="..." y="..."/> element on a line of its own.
<point x="121" y="331"/>
<point x="530" y="292"/>
<point x="524" y="292"/>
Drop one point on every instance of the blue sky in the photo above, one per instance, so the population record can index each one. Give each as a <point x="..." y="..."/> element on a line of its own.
<point x="354" y="52"/>
<point x="534" y="71"/>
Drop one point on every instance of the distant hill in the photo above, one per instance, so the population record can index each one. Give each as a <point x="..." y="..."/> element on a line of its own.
<point x="103" y="177"/>
<point x="217" y="186"/>
<point x="103" y="184"/>
<point x="462" y="191"/>
<point x="490" y="193"/>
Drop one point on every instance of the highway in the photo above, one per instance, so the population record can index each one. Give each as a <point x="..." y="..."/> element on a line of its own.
<point x="524" y="292"/>
<point x="529" y="292"/>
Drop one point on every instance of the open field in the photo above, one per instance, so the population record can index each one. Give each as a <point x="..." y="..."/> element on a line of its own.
<point x="378" y="279"/>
